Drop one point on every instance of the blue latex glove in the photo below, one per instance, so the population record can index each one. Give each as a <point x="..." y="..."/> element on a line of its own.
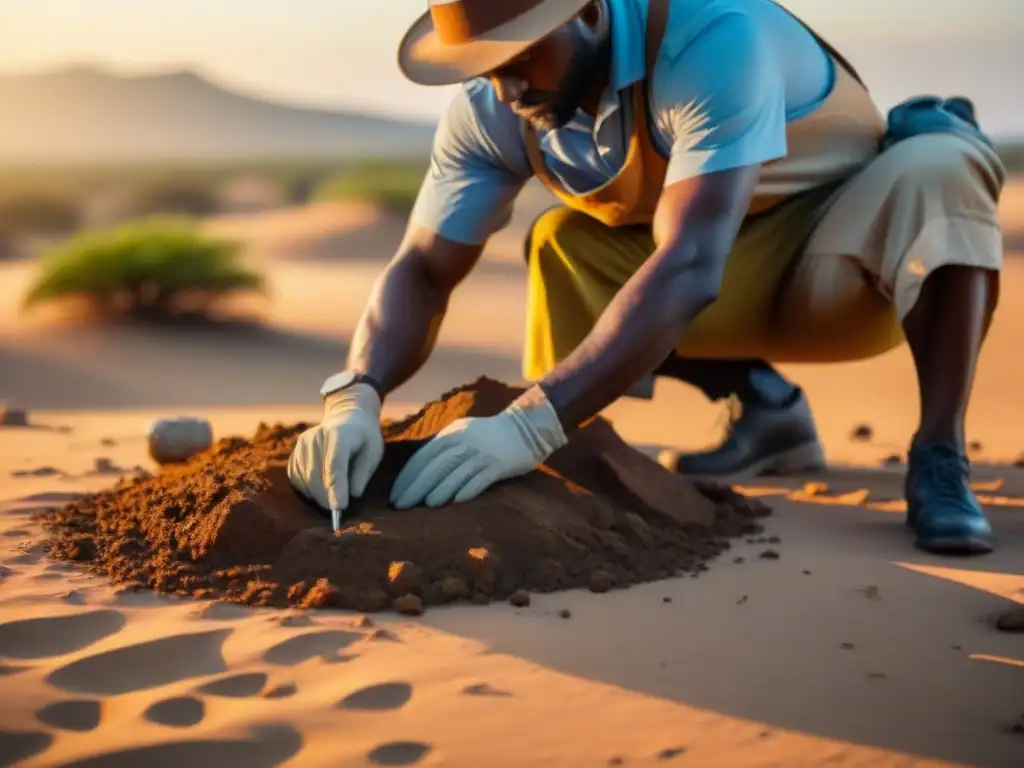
<point x="469" y="455"/>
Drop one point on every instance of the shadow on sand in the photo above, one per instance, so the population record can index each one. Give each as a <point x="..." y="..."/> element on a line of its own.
<point x="869" y="642"/>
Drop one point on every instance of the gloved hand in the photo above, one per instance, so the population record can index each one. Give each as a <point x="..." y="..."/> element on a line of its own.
<point x="471" y="454"/>
<point x="334" y="461"/>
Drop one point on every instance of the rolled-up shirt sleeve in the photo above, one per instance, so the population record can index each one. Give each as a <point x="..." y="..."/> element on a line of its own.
<point x="478" y="166"/>
<point x="720" y="101"/>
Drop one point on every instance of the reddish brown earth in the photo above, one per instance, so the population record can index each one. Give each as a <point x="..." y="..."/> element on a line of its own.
<point x="228" y="525"/>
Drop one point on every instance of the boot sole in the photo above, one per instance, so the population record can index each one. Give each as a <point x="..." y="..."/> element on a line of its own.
<point x="956" y="546"/>
<point x="801" y="459"/>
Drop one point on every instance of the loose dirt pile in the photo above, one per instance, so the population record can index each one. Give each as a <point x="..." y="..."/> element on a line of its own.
<point x="228" y="524"/>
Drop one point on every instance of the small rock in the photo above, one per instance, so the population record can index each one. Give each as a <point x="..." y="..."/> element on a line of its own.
<point x="454" y="588"/>
<point x="742" y="600"/>
<point x="599" y="581"/>
<point x="364" y="622"/>
<point x="295" y="620"/>
<point x="1017" y="726"/>
<point x="892" y="460"/>
<point x="520" y="598"/>
<point x="404" y="578"/>
<point x="382" y="634"/>
<point x="807" y="573"/>
<point x="773" y="540"/>
<point x="1012" y="620"/>
<point x="666" y="599"/>
<point x="862" y="433"/>
<point x="177" y="440"/>
<point x="104" y="466"/>
<point x="108" y="442"/>
<point x="739" y="560"/>
<point x="565" y="613"/>
<point x="975" y="446"/>
<point x="409" y="605"/>
<point x="74" y="597"/>
<point x="877" y="676"/>
<point x="956" y="648"/>
<point x="847" y="646"/>
<point x="769" y="554"/>
<point x="12" y="417"/>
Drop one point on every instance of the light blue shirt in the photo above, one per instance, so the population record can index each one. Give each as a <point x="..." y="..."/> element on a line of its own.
<point x="728" y="77"/>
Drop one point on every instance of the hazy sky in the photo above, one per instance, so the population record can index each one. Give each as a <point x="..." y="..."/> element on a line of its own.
<point x="333" y="52"/>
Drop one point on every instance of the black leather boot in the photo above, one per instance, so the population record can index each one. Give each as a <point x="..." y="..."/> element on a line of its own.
<point x="759" y="440"/>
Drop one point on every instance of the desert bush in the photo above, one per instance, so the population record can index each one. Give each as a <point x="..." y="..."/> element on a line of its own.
<point x="154" y="268"/>
<point x="393" y="185"/>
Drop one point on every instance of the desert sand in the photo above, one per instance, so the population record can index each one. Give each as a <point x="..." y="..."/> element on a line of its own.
<point x="851" y="648"/>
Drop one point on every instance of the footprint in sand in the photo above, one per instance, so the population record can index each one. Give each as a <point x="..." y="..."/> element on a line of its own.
<point x="145" y="665"/>
<point x="179" y="712"/>
<point x="73" y="715"/>
<point x="378" y="697"/>
<point x="399" y="753"/>
<point x="266" y="746"/>
<point x="236" y="687"/>
<point x="57" y="635"/>
<point x="324" y="644"/>
<point x="16" y="746"/>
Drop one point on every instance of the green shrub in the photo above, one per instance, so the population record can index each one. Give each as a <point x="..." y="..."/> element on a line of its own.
<point x="152" y="268"/>
<point x="392" y="185"/>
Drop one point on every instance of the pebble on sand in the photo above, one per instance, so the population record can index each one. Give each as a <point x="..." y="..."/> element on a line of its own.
<point x="179" y="439"/>
<point x="862" y="433"/>
<point x="520" y="598"/>
<point x="12" y="417"/>
<point x="409" y="605"/>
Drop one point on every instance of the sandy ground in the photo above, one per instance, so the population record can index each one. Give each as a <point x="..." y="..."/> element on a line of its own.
<point x="851" y="649"/>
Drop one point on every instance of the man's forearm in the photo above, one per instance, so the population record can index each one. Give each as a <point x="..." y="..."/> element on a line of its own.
<point x="398" y="329"/>
<point x="634" y="334"/>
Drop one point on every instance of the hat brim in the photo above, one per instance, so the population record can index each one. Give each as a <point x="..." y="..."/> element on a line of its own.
<point x="425" y="60"/>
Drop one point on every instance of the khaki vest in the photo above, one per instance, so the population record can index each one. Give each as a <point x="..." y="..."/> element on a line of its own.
<point x="831" y="143"/>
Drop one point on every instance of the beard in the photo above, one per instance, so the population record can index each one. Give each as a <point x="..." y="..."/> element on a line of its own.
<point x="550" y="110"/>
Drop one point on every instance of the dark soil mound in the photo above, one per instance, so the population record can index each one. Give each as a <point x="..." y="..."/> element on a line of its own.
<point x="228" y="524"/>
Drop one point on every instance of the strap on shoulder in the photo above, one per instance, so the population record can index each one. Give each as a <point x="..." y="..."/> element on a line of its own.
<point x="657" y="23"/>
<point x="827" y="46"/>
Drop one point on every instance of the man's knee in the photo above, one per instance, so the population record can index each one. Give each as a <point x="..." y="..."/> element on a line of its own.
<point x="950" y="190"/>
<point x="967" y="175"/>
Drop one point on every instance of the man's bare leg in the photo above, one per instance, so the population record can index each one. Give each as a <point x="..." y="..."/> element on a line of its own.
<point x="945" y="331"/>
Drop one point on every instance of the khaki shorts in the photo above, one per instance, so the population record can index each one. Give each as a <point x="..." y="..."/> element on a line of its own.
<point x="826" y="276"/>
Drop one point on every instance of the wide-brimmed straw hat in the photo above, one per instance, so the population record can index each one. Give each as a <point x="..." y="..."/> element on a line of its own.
<point x="457" y="40"/>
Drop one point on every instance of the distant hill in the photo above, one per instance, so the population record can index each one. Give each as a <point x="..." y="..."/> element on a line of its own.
<point x="86" y="114"/>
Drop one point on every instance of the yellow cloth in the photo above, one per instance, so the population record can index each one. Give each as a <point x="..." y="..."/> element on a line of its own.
<point x="826" y="276"/>
<point x="577" y="265"/>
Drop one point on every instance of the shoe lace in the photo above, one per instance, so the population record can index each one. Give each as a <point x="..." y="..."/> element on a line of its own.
<point x="947" y="470"/>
